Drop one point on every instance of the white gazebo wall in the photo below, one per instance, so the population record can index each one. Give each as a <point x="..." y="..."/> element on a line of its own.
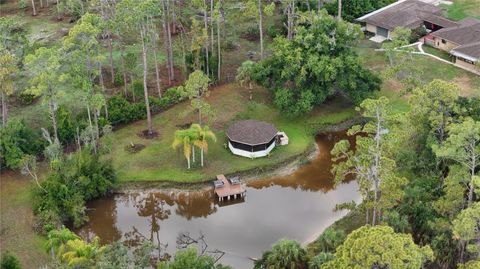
<point x="250" y="154"/>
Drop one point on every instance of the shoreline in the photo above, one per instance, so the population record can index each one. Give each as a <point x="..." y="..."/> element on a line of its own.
<point x="283" y="168"/>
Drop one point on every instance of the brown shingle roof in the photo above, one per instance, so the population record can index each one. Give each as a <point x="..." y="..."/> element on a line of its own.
<point x="472" y="50"/>
<point x="408" y="13"/>
<point x="467" y="32"/>
<point x="251" y="132"/>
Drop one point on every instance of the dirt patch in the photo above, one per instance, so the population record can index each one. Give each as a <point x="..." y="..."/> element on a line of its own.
<point x="250" y="36"/>
<point x="465" y="85"/>
<point x="145" y="134"/>
<point x="134" y="148"/>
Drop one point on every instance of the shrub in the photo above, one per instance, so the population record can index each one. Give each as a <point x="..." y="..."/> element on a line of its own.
<point x="26" y="98"/>
<point x="78" y="179"/>
<point x="118" y="79"/>
<point x="9" y="261"/>
<point x="16" y="140"/>
<point x="67" y="127"/>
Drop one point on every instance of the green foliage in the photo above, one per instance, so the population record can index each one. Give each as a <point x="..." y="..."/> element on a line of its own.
<point x="320" y="259"/>
<point x="317" y="63"/>
<point x="9" y="261"/>
<point x="329" y="240"/>
<point x="353" y="9"/>
<point x="466" y="227"/>
<point x="286" y="254"/>
<point x="189" y="259"/>
<point x="379" y="247"/>
<point x="78" y="179"/>
<point x="17" y="140"/>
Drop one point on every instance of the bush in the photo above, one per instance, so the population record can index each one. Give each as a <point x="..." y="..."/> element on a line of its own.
<point x="67" y="126"/>
<point x="80" y="178"/>
<point x="26" y="98"/>
<point x="118" y="79"/>
<point x="9" y="261"/>
<point x="17" y="140"/>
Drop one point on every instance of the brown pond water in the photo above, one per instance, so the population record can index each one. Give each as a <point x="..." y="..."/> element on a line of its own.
<point x="298" y="206"/>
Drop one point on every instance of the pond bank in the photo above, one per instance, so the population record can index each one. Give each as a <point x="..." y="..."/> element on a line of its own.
<point x="282" y="168"/>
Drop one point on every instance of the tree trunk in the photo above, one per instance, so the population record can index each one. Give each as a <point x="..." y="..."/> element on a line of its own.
<point x="34" y="10"/>
<point x="97" y="129"/>
<point x="145" y="87"/>
<point x="103" y="88"/>
<point x="58" y="11"/>
<point x="41" y="3"/>
<point x="201" y="156"/>
<point x="4" y="110"/>
<point x="170" y="48"/>
<point x="339" y="10"/>
<point x="188" y="163"/>
<point x="157" y="72"/>
<point x="165" y="39"/>
<point x="193" y="154"/>
<point x="207" y="64"/>
<point x="125" y="87"/>
<point x="319" y="5"/>
<point x="110" y="51"/>
<point x="133" y="88"/>
<point x="91" y="128"/>
<point x="472" y="175"/>
<point x="219" y="50"/>
<point x="211" y="27"/>
<point x="260" y="26"/>
<point x="53" y="117"/>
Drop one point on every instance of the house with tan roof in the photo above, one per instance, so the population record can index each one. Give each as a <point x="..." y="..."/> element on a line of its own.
<point x="411" y="14"/>
<point x="461" y="41"/>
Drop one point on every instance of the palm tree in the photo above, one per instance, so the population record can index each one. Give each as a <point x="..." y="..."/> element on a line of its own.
<point x="82" y="254"/>
<point x="184" y="138"/>
<point x="284" y="254"/>
<point x="201" y="136"/>
<point x="57" y="240"/>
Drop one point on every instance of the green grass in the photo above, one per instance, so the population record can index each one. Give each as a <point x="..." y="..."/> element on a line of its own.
<point x="159" y="162"/>
<point x="461" y="9"/>
<point x="16" y="221"/>
<point x="439" y="53"/>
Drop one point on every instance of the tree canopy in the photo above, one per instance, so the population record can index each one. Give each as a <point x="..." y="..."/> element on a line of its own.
<point x="316" y="63"/>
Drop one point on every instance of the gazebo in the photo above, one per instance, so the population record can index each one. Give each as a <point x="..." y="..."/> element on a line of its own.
<point x="251" y="138"/>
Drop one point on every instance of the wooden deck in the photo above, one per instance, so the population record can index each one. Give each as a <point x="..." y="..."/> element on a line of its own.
<point x="229" y="190"/>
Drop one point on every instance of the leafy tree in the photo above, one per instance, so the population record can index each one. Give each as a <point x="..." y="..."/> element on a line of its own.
<point x="320" y="259"/>
<point x="466" y="227"/>
<point x="195" y="88"/>
<point x="8" y="69"/>
<point x="463" y="146"/>
<point x="189" y="259"/>
<point x="434" y="105"/>
<point x="319" y="62"/>
<point x="353" y="9"/>
<point x="329" y="240"/>
<point x="245" y="75"/>
<point x="202" y="135"/>
<point x="257" y="9"/>
<point x="16" y="141"/>
<point x="136" y="16"/>
<point x="286" y="254"/>
<point x="9" y="261"/>
<point x="402" y="66"/>
<point x="379" y="247"/>
<point x="371" y="163"/>
<point x="45" y="70"/>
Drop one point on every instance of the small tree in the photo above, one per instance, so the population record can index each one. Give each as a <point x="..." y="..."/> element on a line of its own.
<point x="244" y="75"/>
<point x="195" y="88"/>
<point x="183" y="139"/>
<point x="284" y="254"/>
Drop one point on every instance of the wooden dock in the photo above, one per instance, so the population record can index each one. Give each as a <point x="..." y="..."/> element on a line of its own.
<point x="224" y="188"/>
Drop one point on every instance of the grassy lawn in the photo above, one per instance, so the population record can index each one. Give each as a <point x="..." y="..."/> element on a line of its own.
<point x="16" y="221"/>
<point x="158" y="161"/>
<point x="439" y="53"/>
<point x="461" y="9"/>
<point x="431" y="69"/>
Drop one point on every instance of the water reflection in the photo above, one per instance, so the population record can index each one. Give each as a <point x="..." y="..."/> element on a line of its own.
<point x="298" y="206"/>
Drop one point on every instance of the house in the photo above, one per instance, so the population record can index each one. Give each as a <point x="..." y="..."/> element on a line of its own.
<point x="461" y="41"/>
<point x="411" y="14"/>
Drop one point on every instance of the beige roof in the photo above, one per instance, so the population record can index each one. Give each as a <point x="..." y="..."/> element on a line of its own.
<point x="406" y="13"/>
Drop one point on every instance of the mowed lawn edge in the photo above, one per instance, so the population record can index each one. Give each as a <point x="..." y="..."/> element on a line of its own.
<point x="158" y="161"/>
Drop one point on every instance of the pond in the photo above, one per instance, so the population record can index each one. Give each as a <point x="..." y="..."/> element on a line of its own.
<point x="298" y="206"/>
